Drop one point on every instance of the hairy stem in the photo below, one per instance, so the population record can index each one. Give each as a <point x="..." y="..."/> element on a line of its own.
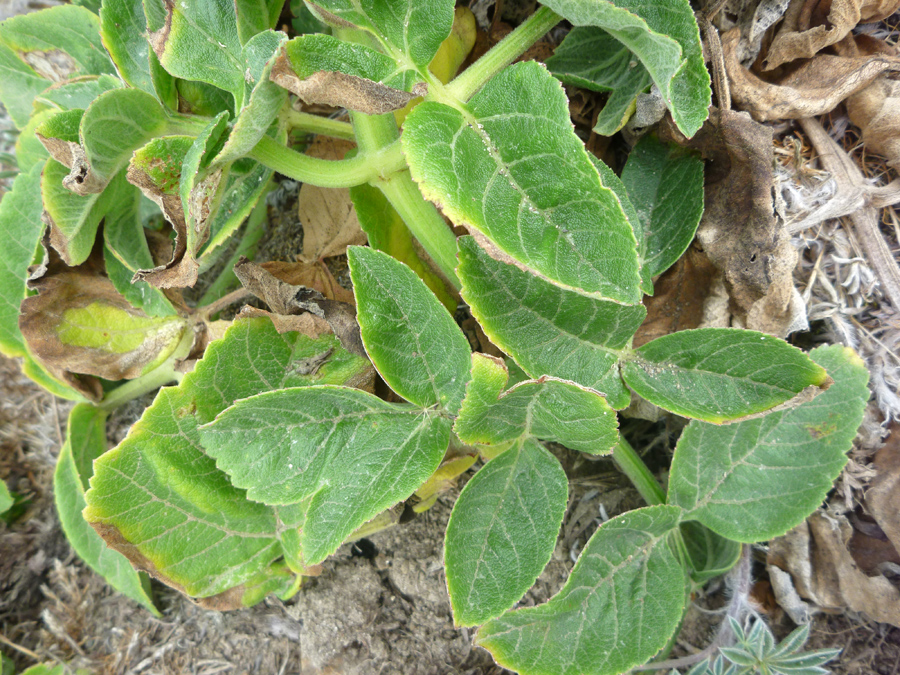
<point x="503" y="53"/>
<point x="633" y="466"/>
<point x="314" y="124"/>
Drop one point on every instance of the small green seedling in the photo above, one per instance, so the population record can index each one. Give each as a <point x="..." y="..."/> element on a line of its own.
<point x="273" y="451"/>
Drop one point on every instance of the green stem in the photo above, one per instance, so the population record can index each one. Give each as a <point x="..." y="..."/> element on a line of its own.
<point x="633" y="466"/>
<point x="328" y="173"/>
<point x="503" y="53"/>
<point x="374" y="132"/>
<point x="301" y="121"/>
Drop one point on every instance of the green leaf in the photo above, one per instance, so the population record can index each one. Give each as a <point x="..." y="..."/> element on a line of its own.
<point x="199" y="41"/>
<point x="546" y="329"/>
<point x="201" y="99"/>
<point x="509" y="165"/>
<point x="21" y="230"/>
<point x="73" y="218"/>
<point x="412" y="340"/>
<point x="304" y="21"/>
<point x="342" y="455"/>
<point x="310" y="54"/>
<point x="711" y="555"/>
<point x="263" y="99"/>
<point x="409" y="30"/>
<point x="6" y="500"/>
<point x="755" y="480"/>
<point x="618" y="609"/>
<point x="388" y="233"/>
<point x="591" y="58"/>
<point x="256" y="16"/>
<point x="665" y="38"/>
<point x="86" y="441"/>
<point x="666" y="187"/>
<point x="79" y="93"/>
<point x="19" y="84"/>
<point x="549" y="409"/>
<point x="29" y="150"/>
<point x="158" y="496"/>
<point x="123" y="28"/>
<point x="502" y="531"/>
<point x="720" y="374"/>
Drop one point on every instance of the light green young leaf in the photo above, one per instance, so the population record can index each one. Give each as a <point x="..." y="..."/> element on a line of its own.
<point x="619" y="607"/>
<point x="73" y="218"/>
<point x="19" y="84"/>
<point x="256" y="16"/>
<point x="546" y="329"/>
<point x="666" y="187"/>
<point x="387" y="232"/>
<point x="502" y="531"/>
<point x="29" y="150"/>
<point x="158" y="497"/>
<point x="509" y="166"/>
<point x="79" y="93"/>
<point x="85" y="441"/>
<point x="199" y="41"/>
<point x="711" y="555"/>
<point x="720" y="374"/>
<point x="410" y="30"/>
<point x="262" y="101"/>
<point x="755" y="480"/>
<point x="411" y="338"/>
<point x="20" y="234"/>
<point x="547" y="408"/>
<point x="6" y="500"/>
<point x="664" y="36"/>
<point x="342" y="455"/>
<point x="591" y="58"/>
<point x="123" y="29"/>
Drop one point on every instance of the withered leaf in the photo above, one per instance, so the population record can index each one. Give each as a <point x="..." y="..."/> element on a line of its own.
<point x="811" y="25"/>
<point x="814" y="88"/>
<point x="883" y="497"/>
<point x="78" y="324"/>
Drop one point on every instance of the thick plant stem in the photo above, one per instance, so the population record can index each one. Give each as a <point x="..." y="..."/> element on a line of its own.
<point x="374" y="132"/>
<point x="503" y="53"/>
<point x="327" y="173"/>
<point x="314" y="124"/>
<point x="633" y="466"/>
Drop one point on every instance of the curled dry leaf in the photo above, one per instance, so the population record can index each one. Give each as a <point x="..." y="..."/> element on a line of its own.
<point x="883" y="497"/>
<point x="329" y="220"/>
<point x="739" y="231"/>
<point x="811" y="25"/>
<point x="78" y="324"/>
<point x="816" y="555"/>
<point x="814" y="88"/>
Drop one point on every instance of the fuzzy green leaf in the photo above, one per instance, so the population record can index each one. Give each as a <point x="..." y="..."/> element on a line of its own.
<point x="78" y="94"/>
<point x="19" y="84"/>
<point x="711" y="555"/>
<point x="20" y="234"/>
<point x="411" y="30"/>
<point x="244" y="184"/>
<point x="411" y="338"/>
<point x="86" y="441"/>
<point x="720" y="374"/>
<point x="256" y="16"/>
<point x="509" y="165"/>
<point x="619" y="607"/>
<point x="159" y="497"/>
<point x="546" y="329"/>
<point x="29" y="149"/>
<point x="665" y="38"/>
<point x="549" y="409"/>
<point x="755" y="480"/>
<point x="123" y="28"/>
<point x="665" y="186"/>
<point x="591" y="58"/>
<point x="74" y="218"/>
<point x="342" y="455"/>
<point x="502" y="531"/>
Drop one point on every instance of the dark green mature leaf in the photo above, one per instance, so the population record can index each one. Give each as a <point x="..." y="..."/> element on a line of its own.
<point x="619" y="607"/>
<point x="665" y="186"/>
<point x="502" y="531"/>
<point x="720" y="374"/>
<point x="73" y="218"/>
<point x="20" y="233"/>
<point x="711" y="555"/>
<point x="664" y="36"/>
<point x="160" y="499"/>
<point x="591" y="58"/>
<point x="549" y="409"/>
<point x="262" y="101"/>
<point x="123" y="29"/>
<point x="85" y="441"/>
<point x="546" y="329"/>
<point x="256" y="16"/>
<point x="411" y="338"/>
<point x="755" y="480"/>
<point x="342" y="455"/>
<point x="509" y="166"/>
<point x="199" y="41"/>
<point x="410" y="30"/>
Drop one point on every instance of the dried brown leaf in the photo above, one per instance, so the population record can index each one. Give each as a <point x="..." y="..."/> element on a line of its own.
<point x="814" y="88"/>
<point x="883" y="497"/>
